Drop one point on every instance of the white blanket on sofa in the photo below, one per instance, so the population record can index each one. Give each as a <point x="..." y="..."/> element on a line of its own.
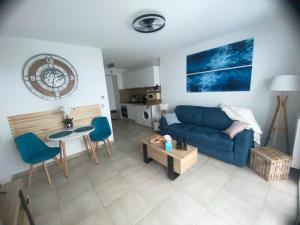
<point x="244" y="115"/>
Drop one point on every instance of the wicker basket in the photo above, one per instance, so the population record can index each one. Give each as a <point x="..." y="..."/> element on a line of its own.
<point x="270" y="163"/>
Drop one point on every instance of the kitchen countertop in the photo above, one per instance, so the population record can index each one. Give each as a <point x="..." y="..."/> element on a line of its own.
<point x="137" y="103"/>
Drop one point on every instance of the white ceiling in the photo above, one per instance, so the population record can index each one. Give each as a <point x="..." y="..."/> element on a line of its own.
<point x="107" y="23"/>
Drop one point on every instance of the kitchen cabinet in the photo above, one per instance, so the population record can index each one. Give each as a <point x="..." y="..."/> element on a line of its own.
<point x="131" y="110"/>
<point x="147" y="77"/>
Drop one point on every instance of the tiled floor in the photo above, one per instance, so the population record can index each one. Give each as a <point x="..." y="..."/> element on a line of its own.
<point x="125" y="191"/>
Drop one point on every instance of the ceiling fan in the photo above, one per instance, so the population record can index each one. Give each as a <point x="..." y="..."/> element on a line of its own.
<point x="149" y="23"/>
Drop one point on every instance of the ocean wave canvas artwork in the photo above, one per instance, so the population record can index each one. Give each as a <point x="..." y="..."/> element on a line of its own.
<point x="226" y="80"/>
<point x="226" y="68"/>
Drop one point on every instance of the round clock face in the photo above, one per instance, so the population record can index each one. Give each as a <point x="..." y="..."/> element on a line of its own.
<point x="50" y="76"/>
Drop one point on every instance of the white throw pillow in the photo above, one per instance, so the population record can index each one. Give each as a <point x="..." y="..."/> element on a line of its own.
<point x="171" y="118"/>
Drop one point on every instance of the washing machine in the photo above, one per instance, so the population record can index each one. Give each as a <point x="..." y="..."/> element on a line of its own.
<point x="146" y="116"/>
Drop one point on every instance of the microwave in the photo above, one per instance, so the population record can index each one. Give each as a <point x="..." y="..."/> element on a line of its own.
<point x="153" y="96"/>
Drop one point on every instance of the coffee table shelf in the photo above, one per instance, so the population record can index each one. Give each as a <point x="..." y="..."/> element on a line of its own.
<point x="176" y="161"/>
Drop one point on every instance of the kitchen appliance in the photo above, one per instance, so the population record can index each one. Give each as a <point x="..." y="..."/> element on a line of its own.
<point x="153" y="96"/>
<point x="145" y="117"/>
<point x="124" y="112"/>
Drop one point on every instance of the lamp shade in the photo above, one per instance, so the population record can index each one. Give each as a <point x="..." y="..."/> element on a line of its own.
<point x="285" y="83"/>
<point x="163" y="106"/>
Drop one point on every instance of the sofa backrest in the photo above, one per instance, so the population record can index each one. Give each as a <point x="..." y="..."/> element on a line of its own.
<point x="189" y="114"/>
<point x="212" y="117"/>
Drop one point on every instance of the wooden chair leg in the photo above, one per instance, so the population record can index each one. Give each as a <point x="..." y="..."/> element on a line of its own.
<point x="96" y="145"/>
<point x="94" y="155"/>
<point x="93" y="149"/>
<point x="47" y="173"/>
<point x="58" y="163"/>
<point x="30" y="175"/>
<point x="108" y="141"/>
<point x="88" y="145"/>
<point x="107" y="147"/>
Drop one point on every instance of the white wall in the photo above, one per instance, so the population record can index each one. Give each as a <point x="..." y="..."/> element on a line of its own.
<point x="276" y="51"/>
<point x="116" y="72"/>
<point x="113" y="104"/>
<point x="114" y="79"/>
<point x="16" y="99"/>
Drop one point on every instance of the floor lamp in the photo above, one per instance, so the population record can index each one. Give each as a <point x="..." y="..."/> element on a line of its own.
<point x="282" y="84"/>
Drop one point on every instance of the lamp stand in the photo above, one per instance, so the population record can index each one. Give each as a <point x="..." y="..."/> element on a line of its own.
<point x="274" y="128"/>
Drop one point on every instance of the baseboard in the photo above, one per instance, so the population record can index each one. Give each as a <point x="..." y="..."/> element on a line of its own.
<point x="51" y="163"/>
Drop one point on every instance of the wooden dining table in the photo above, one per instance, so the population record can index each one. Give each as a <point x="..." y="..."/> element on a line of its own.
<point x="68" y="134"/>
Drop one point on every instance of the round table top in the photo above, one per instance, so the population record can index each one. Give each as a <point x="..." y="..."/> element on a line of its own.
<point x="71" y="133"/>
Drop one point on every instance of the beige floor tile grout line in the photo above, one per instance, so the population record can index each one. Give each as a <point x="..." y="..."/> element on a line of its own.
<point x="60" y="218"/>
<point x="155" y="205"/>
<point x="107" y="214"/>
<point x="263" y="205"/>
<point x="132" y="189"/>
<point x="219" y="191"/>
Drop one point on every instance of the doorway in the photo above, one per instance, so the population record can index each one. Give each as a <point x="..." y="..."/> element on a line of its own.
<point x="113" y="95"/>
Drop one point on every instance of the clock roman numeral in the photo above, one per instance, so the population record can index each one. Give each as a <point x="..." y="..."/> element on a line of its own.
<point x="50" y="61"/>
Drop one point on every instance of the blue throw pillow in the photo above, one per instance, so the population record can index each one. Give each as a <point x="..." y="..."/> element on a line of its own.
<point x="171" y="118"/>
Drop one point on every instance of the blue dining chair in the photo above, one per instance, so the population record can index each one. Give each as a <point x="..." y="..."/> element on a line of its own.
<point x="101" y="133"/>
<point x="33" y="150"/>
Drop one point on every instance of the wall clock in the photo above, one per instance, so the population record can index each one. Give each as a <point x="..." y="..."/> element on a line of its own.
<point x="50" y="77"/>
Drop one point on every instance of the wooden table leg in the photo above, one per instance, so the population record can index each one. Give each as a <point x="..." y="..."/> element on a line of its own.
<point x="60" y="153"/>
<point x="63" y="149"/>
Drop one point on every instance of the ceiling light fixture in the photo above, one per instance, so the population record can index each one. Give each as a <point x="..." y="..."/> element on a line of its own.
<point x="110" y="65"/>
<point x="149" y="23"/>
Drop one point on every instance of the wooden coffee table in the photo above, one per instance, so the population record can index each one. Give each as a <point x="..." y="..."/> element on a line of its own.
<point x="176" y="161"/>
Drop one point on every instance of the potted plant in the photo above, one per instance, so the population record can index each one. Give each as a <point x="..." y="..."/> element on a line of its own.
<point x="67" y="121"/>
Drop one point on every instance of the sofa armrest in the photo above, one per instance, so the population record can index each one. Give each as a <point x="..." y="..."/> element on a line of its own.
<point x="242" y="144"/>
<point x="163" y="126"/>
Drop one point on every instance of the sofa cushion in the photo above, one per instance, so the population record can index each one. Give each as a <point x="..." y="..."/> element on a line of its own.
<point x="180" y="130"/>
<point x="215" y="118"/>
<point x="211" y="137"/>
<point x="189" y="114"/>
<point x="235" y="128"/>
<point x="171" y="118"/>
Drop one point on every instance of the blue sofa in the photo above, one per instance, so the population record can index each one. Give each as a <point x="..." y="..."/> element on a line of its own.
<point x="202" y="127"/>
